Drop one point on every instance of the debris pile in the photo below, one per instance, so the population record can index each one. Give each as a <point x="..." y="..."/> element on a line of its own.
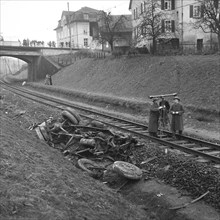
<point x="88" y="140"/>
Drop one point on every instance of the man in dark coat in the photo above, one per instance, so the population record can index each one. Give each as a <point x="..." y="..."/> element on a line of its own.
<point x="164" y="110"/>
<point x="153" y="118"/>
<point x="48" y="80"/>
<point x="177" y="111"/>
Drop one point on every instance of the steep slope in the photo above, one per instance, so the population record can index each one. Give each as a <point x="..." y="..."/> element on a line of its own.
<point x="195" y="78"/>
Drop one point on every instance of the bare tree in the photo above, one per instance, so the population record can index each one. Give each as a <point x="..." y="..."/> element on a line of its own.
<point x="109" y="27"/>
<point x="209" y="21"/>
<point x="152" y="25"/>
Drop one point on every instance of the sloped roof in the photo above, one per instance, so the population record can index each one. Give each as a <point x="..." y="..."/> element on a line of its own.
<point x="79" y="15"/>
<point x="126" y="25"/>
<point x="87" y="10"/>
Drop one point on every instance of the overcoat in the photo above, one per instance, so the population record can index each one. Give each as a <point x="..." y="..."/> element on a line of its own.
<point x="153" y="118"/>
<point x="177" y="111"/>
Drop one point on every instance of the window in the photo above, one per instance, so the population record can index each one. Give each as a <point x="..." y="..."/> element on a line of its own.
<point x="168" y="26"/>
<point x="134" y="14"/>
<point x="86" y="16"/>
<point x="86" y="42"/>
<point x="195" y="11"/>
<point x="167" y="5"/>
<point x="85" y="32"/>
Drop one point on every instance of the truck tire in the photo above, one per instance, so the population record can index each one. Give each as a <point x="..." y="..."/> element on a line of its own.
<point x="74" y="113"/>
<point x="70" y="117"/>
<point x="127" y="170"/>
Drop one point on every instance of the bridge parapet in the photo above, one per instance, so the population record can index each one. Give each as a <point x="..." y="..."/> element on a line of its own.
<point x="56" y="51"/>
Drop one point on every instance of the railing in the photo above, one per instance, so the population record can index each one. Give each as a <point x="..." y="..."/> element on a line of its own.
<point x="188" y="48"/>
<point x="70" y="59"/>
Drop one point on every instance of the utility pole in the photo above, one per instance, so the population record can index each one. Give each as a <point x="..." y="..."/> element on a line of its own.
<point x="182" y="23"/>
<point x="69" y="27"/>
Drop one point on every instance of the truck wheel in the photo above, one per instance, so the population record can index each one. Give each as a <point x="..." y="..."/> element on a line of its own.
<point x="74" y="113"/>
<point x="70" y="117"/>
<point x="127" y="170"/>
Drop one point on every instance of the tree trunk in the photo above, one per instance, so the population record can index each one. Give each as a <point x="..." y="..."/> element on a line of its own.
<point x="154" y="46"/>
<point x="111" y="45"/>
<point x="219" y="42"/>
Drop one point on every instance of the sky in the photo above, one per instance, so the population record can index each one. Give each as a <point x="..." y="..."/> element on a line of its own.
<point x="36" y="20"/>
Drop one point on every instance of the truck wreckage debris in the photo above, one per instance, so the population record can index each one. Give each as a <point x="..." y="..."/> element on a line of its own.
<point x="90" y="141"/>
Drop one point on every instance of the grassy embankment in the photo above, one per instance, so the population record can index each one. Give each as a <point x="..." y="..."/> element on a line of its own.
<point x="128" y="81"/>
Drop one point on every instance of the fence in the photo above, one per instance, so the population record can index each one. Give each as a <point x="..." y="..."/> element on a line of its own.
<point x="188" y="48"/>
<point x="70" y="59"/>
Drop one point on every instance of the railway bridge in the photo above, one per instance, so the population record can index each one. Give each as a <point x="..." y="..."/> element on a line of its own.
<point x="39" y="63"/>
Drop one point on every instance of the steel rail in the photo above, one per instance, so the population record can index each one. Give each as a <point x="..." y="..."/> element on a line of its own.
<point x="70" y="104"/>
<point x="123" y="124"/>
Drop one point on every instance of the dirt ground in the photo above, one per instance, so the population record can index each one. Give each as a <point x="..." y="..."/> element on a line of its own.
<point x="37" y="182"/>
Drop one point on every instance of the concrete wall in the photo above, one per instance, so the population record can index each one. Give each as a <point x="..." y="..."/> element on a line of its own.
<point x="39" y="68"/>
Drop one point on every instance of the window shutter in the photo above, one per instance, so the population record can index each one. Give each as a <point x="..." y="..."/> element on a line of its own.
<point x="173" y="25"/>
<point x="202" y="11"/>
<point x="162" y="26"/>
<point x="162" y="4"/>
<point x="173" y="5"/>
<point x="191" y="11"/>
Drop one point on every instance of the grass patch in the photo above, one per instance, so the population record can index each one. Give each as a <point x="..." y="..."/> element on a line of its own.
<point x="204" y="117"/>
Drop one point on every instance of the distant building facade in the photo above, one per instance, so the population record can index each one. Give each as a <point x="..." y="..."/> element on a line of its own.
<point x="81" y="25"/>
<point x="179" y="18"/>
<point x="82" y="29"/>
<point x="122" y="32"/>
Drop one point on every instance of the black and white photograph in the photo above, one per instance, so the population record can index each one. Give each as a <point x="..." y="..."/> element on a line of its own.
<point x="109" y="109"/>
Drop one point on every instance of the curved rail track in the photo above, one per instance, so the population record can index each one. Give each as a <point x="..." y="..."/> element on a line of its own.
<point x="208" y="151"/>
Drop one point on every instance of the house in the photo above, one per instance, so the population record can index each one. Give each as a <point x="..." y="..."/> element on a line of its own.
<point x="119" y="29"/>
<point x="82" y="29"/>
<point x="79" y="28"/>
<point x="176" y="23"/>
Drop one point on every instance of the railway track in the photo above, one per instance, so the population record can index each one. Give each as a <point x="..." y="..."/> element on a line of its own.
<point x="201" y="150"/>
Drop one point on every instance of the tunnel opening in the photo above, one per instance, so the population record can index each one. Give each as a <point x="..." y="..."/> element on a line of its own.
<point x="14" y="67"/>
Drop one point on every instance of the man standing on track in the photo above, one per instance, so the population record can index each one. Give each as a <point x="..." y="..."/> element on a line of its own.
<point x="164" y="110"/>
<point x="177" y="111"/>
<point x="153" y="118"/>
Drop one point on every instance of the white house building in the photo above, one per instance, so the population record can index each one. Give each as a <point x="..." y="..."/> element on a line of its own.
<point x="179" y="18"/>
<point x="79" y="28"/>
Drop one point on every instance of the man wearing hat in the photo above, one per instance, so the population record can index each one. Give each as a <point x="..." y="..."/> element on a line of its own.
<point x="153" y="118"/>
<point x="176" y="111"/>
